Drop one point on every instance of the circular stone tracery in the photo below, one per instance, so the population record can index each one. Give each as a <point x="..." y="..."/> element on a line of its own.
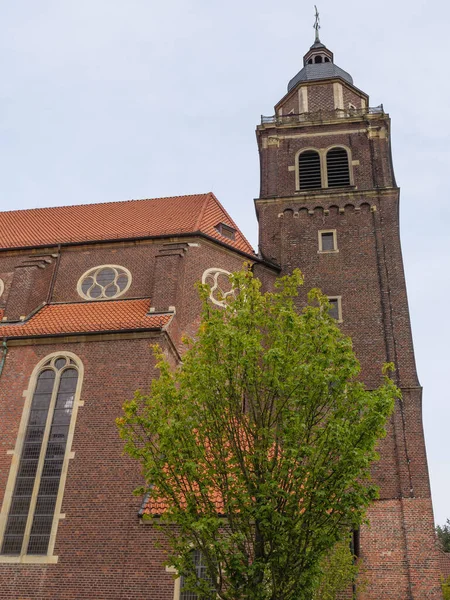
<point x="219" y="282"/>
<point x="104" y="282"/>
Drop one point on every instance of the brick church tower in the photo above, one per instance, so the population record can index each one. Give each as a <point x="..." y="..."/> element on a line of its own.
<point x="329" y="204"/>
<point x="85" y="290"/>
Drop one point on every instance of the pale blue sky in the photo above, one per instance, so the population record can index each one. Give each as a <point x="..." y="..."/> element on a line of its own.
<point x="105" y="100"/>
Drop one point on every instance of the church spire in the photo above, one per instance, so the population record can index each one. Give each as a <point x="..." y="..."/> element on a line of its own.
<point x="317" y="25"/>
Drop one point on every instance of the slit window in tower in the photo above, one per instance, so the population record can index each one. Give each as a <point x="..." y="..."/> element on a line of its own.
<point x="335" y="310"/>
<point x="338" y="171"/>
<point x="309" y="170"/>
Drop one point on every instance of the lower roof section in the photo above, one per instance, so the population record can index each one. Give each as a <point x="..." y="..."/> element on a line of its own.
<point x="87" y="317"/>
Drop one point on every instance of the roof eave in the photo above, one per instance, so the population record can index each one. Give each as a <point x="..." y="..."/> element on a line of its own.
<point x="313" y="81"/>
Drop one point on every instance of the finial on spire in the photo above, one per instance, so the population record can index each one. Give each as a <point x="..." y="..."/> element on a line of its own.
<point x="317" y="24"/>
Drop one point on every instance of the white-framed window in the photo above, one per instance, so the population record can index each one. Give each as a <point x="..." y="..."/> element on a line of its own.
<point x="104" y="282"/>
<point x="336" y="307"/>
<point x="327" y="240"/>
<point x="2" y="287"/>
<point x="201" y="572"/>
<point x="32" y="503"/>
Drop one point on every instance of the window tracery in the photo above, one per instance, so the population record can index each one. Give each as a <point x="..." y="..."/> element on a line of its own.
<point x="31" y="509"/>
<point x="104" y="282"/>
<point x="219" y="282"/>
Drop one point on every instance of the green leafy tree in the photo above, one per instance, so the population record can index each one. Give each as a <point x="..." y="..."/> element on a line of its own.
<point x="339" y="572"/>
<point x="443" y="535"/>
<point x="446" y="588"/>
<point x="259" y="444"/>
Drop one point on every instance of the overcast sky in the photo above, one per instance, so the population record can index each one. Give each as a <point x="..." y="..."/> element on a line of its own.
<point x="106" y="100"/>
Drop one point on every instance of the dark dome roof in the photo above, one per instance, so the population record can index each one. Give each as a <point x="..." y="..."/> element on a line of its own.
<point x="325" y="70"/>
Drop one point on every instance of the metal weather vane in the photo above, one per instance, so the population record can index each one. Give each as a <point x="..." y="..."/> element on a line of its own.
<point x="317" y="24"/>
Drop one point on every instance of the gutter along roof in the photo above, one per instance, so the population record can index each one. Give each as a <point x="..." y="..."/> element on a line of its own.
<point x="108" y="221"/>
<point x="87" y="317"/>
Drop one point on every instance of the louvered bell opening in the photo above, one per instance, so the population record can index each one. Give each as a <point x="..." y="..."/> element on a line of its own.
<point x="337" y="168"/>
<point x="309" y="170"/>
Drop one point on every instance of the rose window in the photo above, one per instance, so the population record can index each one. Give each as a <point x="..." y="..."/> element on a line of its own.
<point x="219" y="282"/>
<point x="107" y="281"/>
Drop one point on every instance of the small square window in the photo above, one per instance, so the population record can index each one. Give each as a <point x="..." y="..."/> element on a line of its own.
<point x="335" y="308"/>
<point x="328" y="240"/>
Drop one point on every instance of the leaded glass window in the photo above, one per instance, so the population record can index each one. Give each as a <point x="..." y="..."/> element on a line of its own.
<point x="201" y="572"/>
<point x="105" y="282"/>
<point x="34" y="498"/>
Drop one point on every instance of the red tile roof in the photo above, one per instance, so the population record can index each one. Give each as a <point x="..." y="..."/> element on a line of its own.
<point x="155" y="508"/>
<point x="118" y="220"/>
<point x="85" y="317"/>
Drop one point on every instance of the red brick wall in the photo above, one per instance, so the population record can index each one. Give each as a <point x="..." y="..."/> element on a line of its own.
<point x="320" y="97"/>
<point x="398" y="552"/>
<point x="137" y="258"/>
<point x="104" y="552"/>
<point x="374" y="169"/>
<point x="444" y="564"/>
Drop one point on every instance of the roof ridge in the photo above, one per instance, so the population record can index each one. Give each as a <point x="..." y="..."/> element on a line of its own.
<point x="202" y="211"/>
<point x="36" y="208"/>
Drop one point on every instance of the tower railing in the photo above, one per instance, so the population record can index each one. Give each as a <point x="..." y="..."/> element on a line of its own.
<point x="323" y="115"/>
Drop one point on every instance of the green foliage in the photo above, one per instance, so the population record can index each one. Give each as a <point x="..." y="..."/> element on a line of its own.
<point x="259" y="443"/>
<point x="446" y="588"/>
<point x="443" y="535"/>
<point x="339" y="572"/>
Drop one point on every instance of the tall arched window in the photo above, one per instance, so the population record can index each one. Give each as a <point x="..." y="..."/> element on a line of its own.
<point x="338" y="170"/>
<point x="49" y="415"/>
<point x="201" y="572"/>
<point x="309" y="172"/>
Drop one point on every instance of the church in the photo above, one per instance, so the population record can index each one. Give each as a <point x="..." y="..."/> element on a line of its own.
<point x="86" y="290"/>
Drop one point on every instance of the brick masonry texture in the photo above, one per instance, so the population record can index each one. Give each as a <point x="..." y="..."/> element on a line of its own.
<point x="398" y="547"/>
<point x="105" y="552"/>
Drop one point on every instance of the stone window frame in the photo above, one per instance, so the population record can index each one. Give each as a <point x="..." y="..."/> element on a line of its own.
<point x="102" y="297"/>
<point x="339" y="306"/>
<point x="349" y="162"/>
<point x="297" y="169"/>
<point x="323" y="167"/>
<point x="2" y="287"/>
<point x="177" y="581"/>
<point x="335" y="246"/>
<point x="48" y="558"/>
